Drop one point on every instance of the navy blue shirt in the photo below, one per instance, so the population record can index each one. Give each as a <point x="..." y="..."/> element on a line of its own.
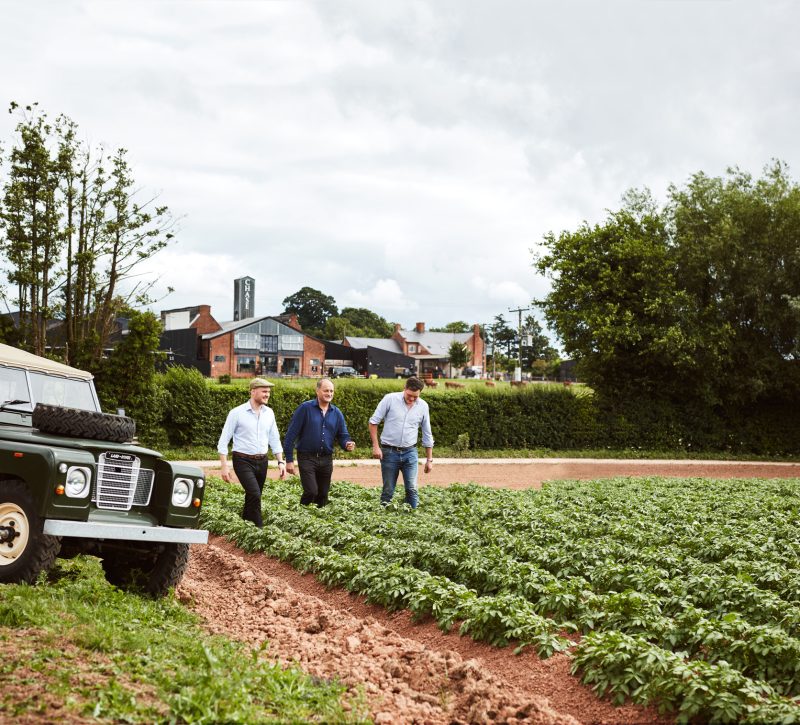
<point x="314" y="432"/>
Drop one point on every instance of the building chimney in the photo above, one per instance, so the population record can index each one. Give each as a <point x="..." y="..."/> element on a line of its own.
<point x="396" y="327"/>
<point x="420" y="327"/>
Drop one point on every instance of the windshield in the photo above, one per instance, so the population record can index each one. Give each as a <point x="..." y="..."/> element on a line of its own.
<point x="66" y="392"/>
<point x="14" y="389"/>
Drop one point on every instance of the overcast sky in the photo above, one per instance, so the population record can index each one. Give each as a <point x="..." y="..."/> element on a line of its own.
<point x="403" y="156"/>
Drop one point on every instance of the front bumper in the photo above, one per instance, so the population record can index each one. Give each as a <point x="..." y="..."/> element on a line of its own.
<point x="124" y="532"/>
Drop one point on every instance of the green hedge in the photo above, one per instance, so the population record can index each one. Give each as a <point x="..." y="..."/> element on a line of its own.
<point x="533" y="416"/>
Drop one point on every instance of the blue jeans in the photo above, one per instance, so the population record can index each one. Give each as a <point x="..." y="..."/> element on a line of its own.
<point x="392" y="463"/>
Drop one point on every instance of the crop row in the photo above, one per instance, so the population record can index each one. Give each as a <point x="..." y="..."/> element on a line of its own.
<point x="621" y="561"/>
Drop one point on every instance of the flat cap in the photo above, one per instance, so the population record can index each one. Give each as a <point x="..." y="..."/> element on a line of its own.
<point x="261" y="383"/>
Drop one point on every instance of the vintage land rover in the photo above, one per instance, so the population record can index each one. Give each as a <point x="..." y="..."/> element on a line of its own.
<point x="72" y="481"/>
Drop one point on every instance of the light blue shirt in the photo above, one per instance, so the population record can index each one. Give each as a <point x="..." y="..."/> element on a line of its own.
<point x="251" y="433"/>
<point x="401" y="423"/>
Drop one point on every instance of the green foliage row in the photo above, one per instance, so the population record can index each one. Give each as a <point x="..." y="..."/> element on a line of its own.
<point x="687" y="592"/>
<point x="146" y="661"/>
<point x="191" y="412"/>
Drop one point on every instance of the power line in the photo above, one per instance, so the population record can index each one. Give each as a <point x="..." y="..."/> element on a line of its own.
<point x="519" y="311"/>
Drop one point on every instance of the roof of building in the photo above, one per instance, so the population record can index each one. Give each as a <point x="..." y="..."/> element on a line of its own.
<point x="233" y="325"/>
<point x="436" y="343"/>
<point x="382" y="343"/>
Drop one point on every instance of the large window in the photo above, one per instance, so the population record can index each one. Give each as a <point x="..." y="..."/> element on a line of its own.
<point x="291" y="342"/>
<point x="246" y="340"/>
<point x="291" y="366"/>
<point x="269" y="343"/>
<point x="245" y="364"/>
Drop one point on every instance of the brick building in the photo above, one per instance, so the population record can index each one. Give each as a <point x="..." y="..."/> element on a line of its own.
<point x="430" y="350"/>
<point x="269" y="345"/>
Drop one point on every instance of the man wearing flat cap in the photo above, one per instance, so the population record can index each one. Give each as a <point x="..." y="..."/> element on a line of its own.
<point x="253" y="429"/>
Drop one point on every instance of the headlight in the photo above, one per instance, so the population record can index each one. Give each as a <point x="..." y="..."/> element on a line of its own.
<point x="182" y="492"/>
<point x="77" y="483"/>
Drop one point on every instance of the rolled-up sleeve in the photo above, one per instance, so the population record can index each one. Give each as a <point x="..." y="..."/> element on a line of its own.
<point x="425" y="426"/>
<point x="227" y="433"/>
<point x="380" y="411"/>
<point x="275" y="437"/>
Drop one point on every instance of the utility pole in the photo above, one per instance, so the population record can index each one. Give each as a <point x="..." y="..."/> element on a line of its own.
<point x="518" y="370"/>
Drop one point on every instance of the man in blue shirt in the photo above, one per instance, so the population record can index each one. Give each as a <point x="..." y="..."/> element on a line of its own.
<point x="403" y="415"/>
<point x="253" y="428"/>
<point x="315" y="426"/>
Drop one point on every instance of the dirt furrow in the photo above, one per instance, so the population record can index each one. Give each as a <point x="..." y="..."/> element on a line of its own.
<point x="409" y="672"/>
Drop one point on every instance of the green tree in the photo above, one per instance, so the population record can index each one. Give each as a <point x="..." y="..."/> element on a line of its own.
<point x="693" y="302"/>
<point x="75" y="237"/>
<point x="369" y="324"/>
<point x="535" y="345"/>
<point x="312" y="307"/>
<point x="459" y="354"/>
<point x="126" y="379"/>
<point x="457" y="326"/>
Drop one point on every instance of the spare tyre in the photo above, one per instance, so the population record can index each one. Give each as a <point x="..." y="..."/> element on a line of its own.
<point x="78" y="423"/>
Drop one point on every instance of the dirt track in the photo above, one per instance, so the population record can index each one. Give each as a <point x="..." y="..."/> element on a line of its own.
<point x="413" y="673"/>
<point x="531" y="473"/>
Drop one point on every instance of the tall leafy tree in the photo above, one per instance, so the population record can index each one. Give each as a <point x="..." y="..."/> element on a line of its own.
<point x="312" y="307"/>
<point x="76" y="234"/>
<point x="695" y="301"/>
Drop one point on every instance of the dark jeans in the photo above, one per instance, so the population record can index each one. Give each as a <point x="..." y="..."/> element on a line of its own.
<point x="251" y="475"/>
<point x="315" y="475"/>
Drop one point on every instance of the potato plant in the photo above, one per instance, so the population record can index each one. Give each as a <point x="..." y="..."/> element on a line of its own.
<point x="686" y="592"/>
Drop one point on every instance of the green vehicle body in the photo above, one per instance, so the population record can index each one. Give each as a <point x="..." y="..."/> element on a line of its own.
<point x="138" y="513"/>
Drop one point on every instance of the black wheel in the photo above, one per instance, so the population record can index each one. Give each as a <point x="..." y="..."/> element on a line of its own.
<point x="154" y="570"/>
<point x="78" y="423"/>
<point x="24" y="550"/>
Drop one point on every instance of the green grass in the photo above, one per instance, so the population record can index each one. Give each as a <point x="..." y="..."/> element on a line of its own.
<point x="102" y="653"/>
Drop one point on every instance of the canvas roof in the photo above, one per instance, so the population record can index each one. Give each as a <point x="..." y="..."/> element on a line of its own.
<point x="15" y="357"/>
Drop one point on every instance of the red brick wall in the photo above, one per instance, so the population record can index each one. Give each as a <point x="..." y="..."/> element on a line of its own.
<point x="205" y="323"/>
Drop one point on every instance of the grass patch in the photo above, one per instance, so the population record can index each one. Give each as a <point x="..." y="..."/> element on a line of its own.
<point x="75" y="645"/>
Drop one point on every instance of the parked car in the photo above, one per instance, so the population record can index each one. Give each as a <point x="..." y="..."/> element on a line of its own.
<point x="344" y="371"/>
<point x="73" y="481"/>
<point x="469" y="372"/>
<point x="403" y="372"/>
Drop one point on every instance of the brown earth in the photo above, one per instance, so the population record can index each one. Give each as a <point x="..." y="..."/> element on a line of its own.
<point x="531" y="473"/>
<point x="412" y="672"/>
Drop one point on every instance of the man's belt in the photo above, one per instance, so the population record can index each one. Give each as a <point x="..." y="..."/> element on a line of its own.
<point x="398" y="449"/>
<point x="250" y="456"/>
<point x="314" y="454"/>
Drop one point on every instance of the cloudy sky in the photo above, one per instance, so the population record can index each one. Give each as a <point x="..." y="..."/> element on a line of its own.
<point x="403" y="156"/>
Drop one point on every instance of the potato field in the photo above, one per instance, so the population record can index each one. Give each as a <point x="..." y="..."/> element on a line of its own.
<point x="679" y="593"/>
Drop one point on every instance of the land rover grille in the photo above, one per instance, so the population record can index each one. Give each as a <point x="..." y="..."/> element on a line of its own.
<point x="121" y="482"/>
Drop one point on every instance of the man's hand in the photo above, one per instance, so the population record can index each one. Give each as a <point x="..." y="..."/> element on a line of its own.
<point x="282" y="471"/>
<point x="350" y="446"/>
<point x="377" y="453"/>
<point x="428" y="466"/>
<point x="226" y="474"/>
<point x="290" y="467"/>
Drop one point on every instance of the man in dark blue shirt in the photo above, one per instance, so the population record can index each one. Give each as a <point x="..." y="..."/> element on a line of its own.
<point x="315" y="426"/>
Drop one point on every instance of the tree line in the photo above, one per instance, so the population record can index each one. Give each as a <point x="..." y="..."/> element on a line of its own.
<point x="319" y="315"/>
<point x="691" y="304"/>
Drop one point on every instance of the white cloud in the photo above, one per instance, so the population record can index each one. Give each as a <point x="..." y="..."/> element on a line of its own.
<point x="403" y="157"/>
